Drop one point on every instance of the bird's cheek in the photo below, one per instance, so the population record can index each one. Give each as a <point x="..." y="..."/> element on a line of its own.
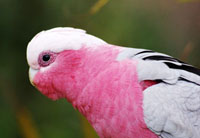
<point x="32" y="73"/>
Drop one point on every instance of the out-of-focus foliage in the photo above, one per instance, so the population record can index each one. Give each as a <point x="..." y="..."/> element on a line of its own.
<point x="94" y="9"/>
<point x="168" y="26"/>
<point x="26" y="125"/>
<point x="186" y="1"/>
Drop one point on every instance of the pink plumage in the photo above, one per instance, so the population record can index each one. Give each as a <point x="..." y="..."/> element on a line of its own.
<point x="112" y="86"/>
<point x="107" y="93"/>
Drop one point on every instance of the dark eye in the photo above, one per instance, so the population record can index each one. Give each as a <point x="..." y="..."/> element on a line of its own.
<point x="46" y="58"/>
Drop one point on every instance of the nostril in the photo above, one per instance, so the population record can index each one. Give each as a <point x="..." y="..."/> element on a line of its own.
<point x="34" y="65"/>
<point x="32" y="73"/>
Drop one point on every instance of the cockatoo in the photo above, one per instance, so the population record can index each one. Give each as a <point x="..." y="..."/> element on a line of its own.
<point x="123" y="92"/>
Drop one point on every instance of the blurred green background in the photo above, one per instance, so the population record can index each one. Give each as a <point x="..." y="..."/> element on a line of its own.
<point x="168" y="26"/>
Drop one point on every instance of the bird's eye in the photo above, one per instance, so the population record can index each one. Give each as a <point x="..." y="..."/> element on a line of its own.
<point x="46" y="58"/>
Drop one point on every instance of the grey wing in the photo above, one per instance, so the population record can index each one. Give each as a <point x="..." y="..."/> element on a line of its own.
<point x="153" y="65"/>
<point x="171" y="107"/>
<point x="173" y="111"/>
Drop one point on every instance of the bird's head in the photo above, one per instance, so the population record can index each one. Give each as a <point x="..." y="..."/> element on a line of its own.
<point x="55" y="57"/>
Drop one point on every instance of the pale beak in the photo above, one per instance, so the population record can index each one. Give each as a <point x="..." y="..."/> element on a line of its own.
<point x="32" y="73"/>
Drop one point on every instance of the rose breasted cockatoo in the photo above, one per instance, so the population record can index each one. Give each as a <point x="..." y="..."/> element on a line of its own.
<point x="123" y="92"/>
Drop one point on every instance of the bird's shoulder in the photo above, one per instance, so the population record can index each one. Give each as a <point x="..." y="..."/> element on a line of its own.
<point x="171" y="107"/>
<point x="158" y="66"/>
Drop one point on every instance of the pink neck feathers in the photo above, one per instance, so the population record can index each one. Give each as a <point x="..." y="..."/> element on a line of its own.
<point x="104" y="90"/>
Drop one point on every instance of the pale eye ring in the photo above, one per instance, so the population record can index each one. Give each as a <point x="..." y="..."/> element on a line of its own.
<point x="46" y="58"/>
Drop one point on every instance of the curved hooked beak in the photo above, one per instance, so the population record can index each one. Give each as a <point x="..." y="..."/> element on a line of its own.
<point x="32" y="73"/>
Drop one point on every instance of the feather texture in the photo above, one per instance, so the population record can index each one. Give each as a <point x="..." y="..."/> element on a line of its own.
<point x="123" y="92"/>
<point x="171" y="107"/>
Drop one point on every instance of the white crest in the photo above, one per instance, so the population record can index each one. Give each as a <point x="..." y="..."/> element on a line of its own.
<point x="59" y="39"/>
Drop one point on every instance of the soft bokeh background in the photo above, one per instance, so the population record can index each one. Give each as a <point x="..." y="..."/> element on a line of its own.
<point x="169" y="26"/>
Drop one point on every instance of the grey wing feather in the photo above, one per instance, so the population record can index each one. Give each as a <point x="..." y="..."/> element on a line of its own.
<point x="150" y="62"/>
<point x="172" y="107"/>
